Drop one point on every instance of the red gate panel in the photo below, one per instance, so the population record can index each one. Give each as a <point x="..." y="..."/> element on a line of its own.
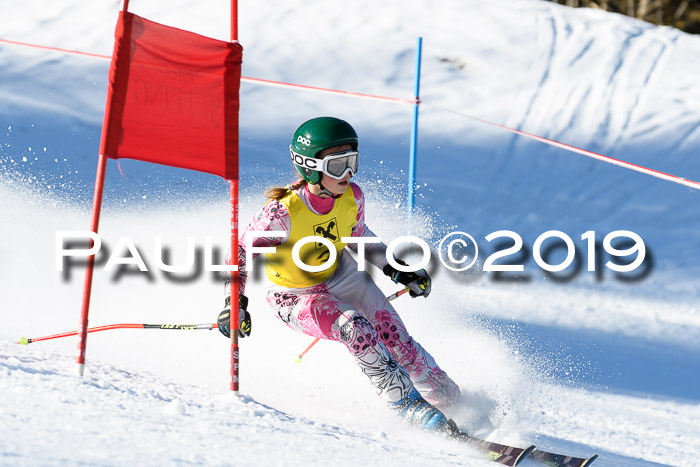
<point x="172" y="98"/>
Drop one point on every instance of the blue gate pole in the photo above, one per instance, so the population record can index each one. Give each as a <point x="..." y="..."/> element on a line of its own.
<point x="414" y="134"/>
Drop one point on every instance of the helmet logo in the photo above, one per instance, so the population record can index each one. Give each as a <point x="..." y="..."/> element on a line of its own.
<point x="305" y="162"/>
<point x="304" y="141"/>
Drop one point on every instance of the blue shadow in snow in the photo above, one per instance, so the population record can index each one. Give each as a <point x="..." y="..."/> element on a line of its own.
<point x="605" y="458"/>
<point x="614" y="362"/>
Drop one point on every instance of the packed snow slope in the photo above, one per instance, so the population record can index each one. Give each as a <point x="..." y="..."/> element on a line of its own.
<point x="578" y="362"/>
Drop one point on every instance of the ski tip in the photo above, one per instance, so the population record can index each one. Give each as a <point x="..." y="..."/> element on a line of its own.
<point x="297" y="359"/>
<point x="23" y="341"/>
<point x="562" y="460"/>
<point x="526" y="452"/>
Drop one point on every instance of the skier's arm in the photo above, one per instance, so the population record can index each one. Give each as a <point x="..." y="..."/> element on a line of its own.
<point x="273" y="217"/>
<point x="418" y="282"/>
<point x="375" y="253"/>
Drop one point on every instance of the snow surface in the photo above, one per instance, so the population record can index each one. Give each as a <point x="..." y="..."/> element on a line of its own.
<point x="593" y="365"/>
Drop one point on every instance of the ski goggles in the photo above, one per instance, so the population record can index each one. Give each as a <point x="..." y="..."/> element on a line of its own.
<point x="336" y="165"/>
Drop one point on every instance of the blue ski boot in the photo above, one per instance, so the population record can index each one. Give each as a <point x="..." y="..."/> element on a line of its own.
<point x="417" y="411"/>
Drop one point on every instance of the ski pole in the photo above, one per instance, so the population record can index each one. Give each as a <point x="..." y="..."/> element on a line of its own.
<point x="391" y="297"/>
<point x="301" y="355"/>
<point x="182" y="327"/>
<point x="396" y="295"/>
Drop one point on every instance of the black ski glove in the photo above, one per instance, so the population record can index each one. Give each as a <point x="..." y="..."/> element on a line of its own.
<point x="418" y="282"/>
<point x="244" y="323"/>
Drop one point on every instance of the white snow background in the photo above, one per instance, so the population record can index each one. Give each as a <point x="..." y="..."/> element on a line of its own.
<point x="596" y="364"/>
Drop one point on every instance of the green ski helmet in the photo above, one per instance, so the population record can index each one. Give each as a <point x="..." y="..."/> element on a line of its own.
<point x="315" y="135"/>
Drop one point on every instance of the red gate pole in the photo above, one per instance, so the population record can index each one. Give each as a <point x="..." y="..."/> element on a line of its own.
<point x="234" y="20"/>
<point x="96" y="208"/>
<point x="94" y="223"/>
<point x="233" y="326"/>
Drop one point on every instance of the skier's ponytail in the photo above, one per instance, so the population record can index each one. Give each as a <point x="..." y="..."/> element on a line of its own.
<point x="280" y="192"/>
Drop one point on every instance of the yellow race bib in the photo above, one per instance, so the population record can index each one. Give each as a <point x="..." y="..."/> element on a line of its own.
<point x="280" y="266"/>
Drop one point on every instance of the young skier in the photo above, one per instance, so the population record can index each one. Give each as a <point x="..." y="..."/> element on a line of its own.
<point x="341" y="303"/>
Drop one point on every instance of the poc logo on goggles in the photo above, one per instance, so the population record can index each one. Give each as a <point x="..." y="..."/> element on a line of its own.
<point x="305" y="162"/>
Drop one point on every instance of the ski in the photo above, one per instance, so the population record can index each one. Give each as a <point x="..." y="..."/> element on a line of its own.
<point x="551" y="459"/>
<point x="500" y="453"/>
<point x="512" y="456"/>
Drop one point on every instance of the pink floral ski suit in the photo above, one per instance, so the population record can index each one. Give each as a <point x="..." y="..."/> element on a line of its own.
<point x="351" y="309"/>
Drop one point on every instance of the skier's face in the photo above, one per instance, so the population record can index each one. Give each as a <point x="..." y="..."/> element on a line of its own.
<point x="337" y="187"/>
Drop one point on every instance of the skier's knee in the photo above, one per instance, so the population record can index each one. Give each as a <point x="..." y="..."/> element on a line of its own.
<point x="356" y="332"/>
